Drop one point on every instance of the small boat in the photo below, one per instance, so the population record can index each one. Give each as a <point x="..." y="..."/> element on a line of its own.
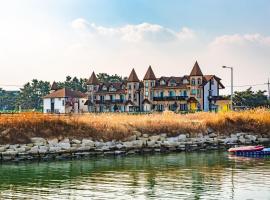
<point x="264" y="152"/>
<point x="246" y="149"/>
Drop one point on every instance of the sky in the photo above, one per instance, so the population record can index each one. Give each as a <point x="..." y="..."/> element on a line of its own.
<point x="49" y="39"/>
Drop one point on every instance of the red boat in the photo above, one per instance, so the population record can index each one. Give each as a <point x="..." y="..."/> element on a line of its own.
<point x="246" y="149"/>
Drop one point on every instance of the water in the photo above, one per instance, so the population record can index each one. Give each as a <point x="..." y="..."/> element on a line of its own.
<point x="173" y="176"/>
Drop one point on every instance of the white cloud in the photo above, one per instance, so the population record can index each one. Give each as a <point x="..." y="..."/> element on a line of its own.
<point x="246" y="39"/>
<point x="135" y="33"/>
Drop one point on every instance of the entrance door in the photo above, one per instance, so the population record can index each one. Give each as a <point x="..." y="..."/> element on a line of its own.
<point x="52" y="105"/>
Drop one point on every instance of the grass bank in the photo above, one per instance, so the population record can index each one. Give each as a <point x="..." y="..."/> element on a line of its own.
<point x="19" y="128"/>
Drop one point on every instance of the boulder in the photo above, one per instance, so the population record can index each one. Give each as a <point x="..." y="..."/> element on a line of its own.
<point x="264" y="140"/>
<point x="145" y="135"/>
<point x="154" y="138"/>
<point x="64" y="146"/>
<point x="43" y="149"/>
<point x="87" y="142"/>
<point x="74" y="141"/>
<point x="52" y="142"/>
<point x="2" y="148"/>
<point x="182" y="137"/>
<point x="137" y="133"/>
<point x="38" y="140"/>
<point x="33" y="150"/>
<point x="212" y="135"/>
<point x="54" y="149"/>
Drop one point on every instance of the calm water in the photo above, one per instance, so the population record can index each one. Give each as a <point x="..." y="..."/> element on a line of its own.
<point x="173" y="176"/>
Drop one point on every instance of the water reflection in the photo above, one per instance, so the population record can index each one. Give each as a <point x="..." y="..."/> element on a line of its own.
<point x="173" y="176"/>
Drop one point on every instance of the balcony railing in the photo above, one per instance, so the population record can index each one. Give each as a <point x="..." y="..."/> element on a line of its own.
<point x="170" y="98"/>
<point x="114" y="101"/>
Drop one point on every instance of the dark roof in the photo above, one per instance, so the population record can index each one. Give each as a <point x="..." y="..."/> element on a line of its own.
<point x="177" y="80"/>
<point x="149" y="74"/>
<point x="93" y="79"/>
<point x="65" y="92"/>
<point x="133" y="77"/>
<point x="207" y="78"/>
<point x="129" y="102"/>
<point x="196" y="70"/>
<point x="54" y="86"/>
<point x="116" y="85"/>
<point x="146" y="101"/>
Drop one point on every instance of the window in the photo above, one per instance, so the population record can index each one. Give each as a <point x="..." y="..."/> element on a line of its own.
<point x="199" y="81"/>
<point x="146" y="84"/>
<point x="129" y="96"/>
<point x="162" y="82"/>
<point x="171" y="93"/>
<point x="95" y="97"/>
<point x="152" y="83"/>
<point x="129" y="86"/>
<point x="212" y="82"/>
<point x="123" y="87"/>
<point x="198" y="93"/>
<point x="104" y="88"/>
<point x="172" y="83"/>
<point x="193" y="81"/>
<point x="63" y="102"/>
<point x="161" y="94"/>
<point x="185" y="81"/>
<point x="134" y="86"/>
<point x="183" y="107"/>
<point x="184" y="93"/>
<point x="146" y="93"/>
<point x="193" y="91"/>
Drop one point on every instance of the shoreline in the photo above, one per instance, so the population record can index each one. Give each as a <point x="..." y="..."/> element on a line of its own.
<point x="41" y="149"/>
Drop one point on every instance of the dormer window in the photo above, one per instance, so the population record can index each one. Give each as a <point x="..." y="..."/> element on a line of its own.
<point x="172" y="83"/>
<point x="146" y="84"/>
<point x="112" y="89"/>
<point x="123" y="87"/>
<point x="162" y="82"/>
<point x="185" y="81"/>
<point x="104" y="87"/>
<point x="193" y="81"/>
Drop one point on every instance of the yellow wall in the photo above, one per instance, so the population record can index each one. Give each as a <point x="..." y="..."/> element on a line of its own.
<point x="223" y="105"/>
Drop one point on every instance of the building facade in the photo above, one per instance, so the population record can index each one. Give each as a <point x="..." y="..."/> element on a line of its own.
<point x="188" y="93"/>
<point x="63" y="101"/>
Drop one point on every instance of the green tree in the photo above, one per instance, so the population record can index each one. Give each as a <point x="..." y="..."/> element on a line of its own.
<point x="73" y="83"/>
<point x="250" y="98"/>
<point x="8" y="99"/>
<point x="104" y="77"/>
<point x="31" y="94"/>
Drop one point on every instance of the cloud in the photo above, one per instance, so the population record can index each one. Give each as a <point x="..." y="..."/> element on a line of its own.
<point x="134" y="33"/>
<point x="238" y="39"/>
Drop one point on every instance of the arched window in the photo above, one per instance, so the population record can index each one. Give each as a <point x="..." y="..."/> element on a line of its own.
<point x="193" y="81"/>
<point x="199" y="80"/>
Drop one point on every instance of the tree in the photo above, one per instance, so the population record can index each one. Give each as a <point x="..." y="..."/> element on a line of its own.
<point x="104" y="77"/>
<point x="74" y="84"/>
<point x="31" y="94"/>
<point x="250" y="98"/>
<point x="8" y="99"/>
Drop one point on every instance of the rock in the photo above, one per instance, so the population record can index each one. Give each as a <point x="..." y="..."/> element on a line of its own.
<point x="119" y="146"/>
<point x="52" y="142"/>
<point x="145" y="135"/>
<point x="212" y="135"/>
<point x="182" y="137"/>
<point x="54" y="149"/>
<point x="151" y="143"/>
<point x="38" y="140"/>
<point x="137" y="133"/>
<point x="240" y="134"/>
<point x="128" y="144"/>
<point x="163" y="135"/>
<point x="64" y="146"/>
<point x="99" y="144"/>
<point x="252" y="138"/>
<point x="154" y="138"/>
<point x="209" y="130"/>
<point x="264" y="140"/>
<point x="139" y="143"/>
<point x="34" y="150"/>
<point x="43" y="149"/>
<point x="172" y="139"/>
<point x="242" y="140"/>
<point x="231" y="140"/>
<point x="21" y="150"/>
<point x="131" y="138"/>
<point x="2" y="148"/>
<point x="65" y="140"/>
<point x="74" y="141"/>
<point x="86" y="142"/>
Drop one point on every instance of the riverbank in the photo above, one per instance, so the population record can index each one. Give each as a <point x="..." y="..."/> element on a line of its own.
<point x="33" y="136"/>
<point x="138" y="143"/>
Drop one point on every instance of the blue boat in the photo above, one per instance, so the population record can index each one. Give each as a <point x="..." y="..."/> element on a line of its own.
<point x="264" y="152"/>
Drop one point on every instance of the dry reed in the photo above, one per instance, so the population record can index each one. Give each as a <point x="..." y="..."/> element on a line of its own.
<point x="19" y="128"/>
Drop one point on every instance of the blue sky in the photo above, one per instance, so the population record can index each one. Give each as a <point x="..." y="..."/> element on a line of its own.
<point x="51" y="39"/>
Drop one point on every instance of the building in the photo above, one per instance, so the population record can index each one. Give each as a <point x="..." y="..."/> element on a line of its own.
<point x="62" y="101"/>
<point x="193" y="92"/>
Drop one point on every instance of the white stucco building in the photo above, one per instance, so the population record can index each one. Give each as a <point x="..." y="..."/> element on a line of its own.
<point x="64" y="101"/>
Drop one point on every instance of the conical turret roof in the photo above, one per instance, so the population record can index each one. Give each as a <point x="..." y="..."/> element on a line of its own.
<point x="54" y="86"/>
<point x="196" y="70"/>
<point x="149" y="74"/>
<point x="93" y="80"/>
<point x="133" y="77"/>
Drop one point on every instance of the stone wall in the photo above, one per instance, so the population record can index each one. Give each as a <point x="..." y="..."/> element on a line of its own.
<point x="138" y="143"/>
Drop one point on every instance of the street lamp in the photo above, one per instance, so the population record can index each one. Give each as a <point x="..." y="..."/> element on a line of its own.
<point x="231" y="84"/>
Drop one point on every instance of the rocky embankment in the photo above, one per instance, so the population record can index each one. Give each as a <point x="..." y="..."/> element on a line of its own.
<point x="138" y="143"/>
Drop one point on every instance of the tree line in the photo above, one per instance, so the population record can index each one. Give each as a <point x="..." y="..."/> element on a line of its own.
<point x="29" y="97"/>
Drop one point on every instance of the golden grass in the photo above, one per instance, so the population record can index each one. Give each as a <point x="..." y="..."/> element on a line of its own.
<point x="18" y="128"/>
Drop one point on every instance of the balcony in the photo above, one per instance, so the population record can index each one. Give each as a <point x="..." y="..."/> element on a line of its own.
<point x="170" y="98"/>
<point x="114" y="101"/>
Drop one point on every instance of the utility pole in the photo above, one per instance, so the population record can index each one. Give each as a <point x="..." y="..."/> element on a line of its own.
<point x="268" y="84"/>
<point x="231" y="68"/>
